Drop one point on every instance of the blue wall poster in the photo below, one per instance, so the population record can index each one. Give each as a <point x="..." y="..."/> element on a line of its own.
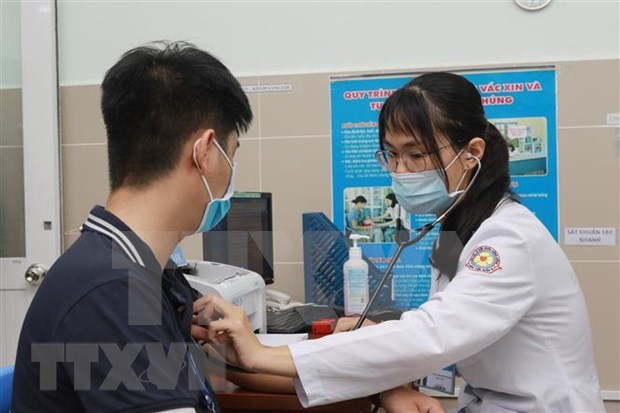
<point x="520" y="102"/>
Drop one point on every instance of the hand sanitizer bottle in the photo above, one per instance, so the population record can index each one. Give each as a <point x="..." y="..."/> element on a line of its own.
<point x="355" y="279"/>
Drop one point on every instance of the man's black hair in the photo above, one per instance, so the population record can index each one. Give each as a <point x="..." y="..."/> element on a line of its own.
<point x="155" y="98"/>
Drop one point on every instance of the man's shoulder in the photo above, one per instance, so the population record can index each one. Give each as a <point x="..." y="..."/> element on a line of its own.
<point x="86" y="265"/>
<point x="88" y="270"/>
<point x="91" y="261"/>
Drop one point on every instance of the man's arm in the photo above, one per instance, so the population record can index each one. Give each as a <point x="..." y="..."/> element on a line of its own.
<point x="264" y="383"/>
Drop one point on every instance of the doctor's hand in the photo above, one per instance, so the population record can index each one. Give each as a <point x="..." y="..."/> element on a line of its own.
<point x="219" y="322"/>
<point x="405" y="400"/>
<point x="347" y="324"/>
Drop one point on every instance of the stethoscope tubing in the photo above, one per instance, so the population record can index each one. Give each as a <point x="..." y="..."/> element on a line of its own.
<point x="402" y="244"/>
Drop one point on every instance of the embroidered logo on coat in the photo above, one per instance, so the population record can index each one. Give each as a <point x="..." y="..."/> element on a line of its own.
<point x="484" y="259"/>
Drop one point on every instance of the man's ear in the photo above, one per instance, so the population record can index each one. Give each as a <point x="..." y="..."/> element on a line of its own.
<point x="201" y="145"/>
<point x="475" y="149"/>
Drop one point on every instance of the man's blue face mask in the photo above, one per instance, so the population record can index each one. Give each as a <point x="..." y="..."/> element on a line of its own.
<point x="217" y="208"/>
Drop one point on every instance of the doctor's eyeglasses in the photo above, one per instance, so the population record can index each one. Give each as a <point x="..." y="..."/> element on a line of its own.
<point x="414" y="161"/>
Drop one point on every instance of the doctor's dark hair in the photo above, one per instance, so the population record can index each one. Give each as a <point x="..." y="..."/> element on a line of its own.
<point x="158" y="96"/>
<point x="447" y="104"/>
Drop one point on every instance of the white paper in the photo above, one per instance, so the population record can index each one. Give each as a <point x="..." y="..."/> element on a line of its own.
<point x="517" y="131"/>
<point x="281" y="87"/>
<point x="443" y="381"/>
<point x="274" y="340"/>
<point x="590" y="236"/>
<point x="613" y="119"/>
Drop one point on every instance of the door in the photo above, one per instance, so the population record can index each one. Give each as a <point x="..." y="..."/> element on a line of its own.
<point x="29" y="159"/>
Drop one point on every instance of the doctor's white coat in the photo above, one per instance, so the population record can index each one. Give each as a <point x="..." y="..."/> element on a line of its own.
<point x="513" y="320"/>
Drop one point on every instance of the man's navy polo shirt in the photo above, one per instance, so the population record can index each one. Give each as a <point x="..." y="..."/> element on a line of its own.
<point x="114" y="328"/>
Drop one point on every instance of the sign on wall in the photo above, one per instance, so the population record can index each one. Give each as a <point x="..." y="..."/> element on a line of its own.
<point x="520" y="102"/>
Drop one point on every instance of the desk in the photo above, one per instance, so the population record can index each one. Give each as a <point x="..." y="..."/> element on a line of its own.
<point x="233" y="399"/>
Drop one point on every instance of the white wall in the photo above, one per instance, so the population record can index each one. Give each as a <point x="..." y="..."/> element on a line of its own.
<point x="262" y="38"/>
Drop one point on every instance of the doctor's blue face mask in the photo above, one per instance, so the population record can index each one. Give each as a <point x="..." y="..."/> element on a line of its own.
<point x="217" y="208"/>
<point x="425" y="192"/>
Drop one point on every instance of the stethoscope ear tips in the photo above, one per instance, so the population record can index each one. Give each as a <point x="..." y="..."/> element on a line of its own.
<point x="471" y="157"/>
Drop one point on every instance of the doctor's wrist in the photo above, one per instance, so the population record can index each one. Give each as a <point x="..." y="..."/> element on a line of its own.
<point x="274" y="360"/>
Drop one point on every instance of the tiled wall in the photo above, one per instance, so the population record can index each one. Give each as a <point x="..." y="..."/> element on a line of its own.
<point x="589" y="186"/>
<point x="12" y="222"/>
<point x="287" y="152"/>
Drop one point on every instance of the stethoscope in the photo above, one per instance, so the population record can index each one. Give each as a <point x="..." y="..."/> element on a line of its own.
<point x="402" y="244"/>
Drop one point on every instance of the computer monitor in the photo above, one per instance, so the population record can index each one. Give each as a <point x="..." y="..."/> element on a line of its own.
<point x="244" y="238"/>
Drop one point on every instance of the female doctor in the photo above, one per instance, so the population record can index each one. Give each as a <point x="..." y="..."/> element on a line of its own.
<point x="508" y="309"/>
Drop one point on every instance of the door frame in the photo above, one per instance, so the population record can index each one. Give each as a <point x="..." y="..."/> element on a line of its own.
<point x="41" y="148"/>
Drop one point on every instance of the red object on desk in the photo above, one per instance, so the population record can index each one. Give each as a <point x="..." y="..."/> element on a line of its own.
<point x="324" y="326"/>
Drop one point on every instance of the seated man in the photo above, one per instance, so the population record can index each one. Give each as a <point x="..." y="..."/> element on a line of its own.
<point x="109" y="328"/>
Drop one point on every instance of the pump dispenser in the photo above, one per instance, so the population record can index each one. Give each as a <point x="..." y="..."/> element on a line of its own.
<point x="355" y="279"/>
